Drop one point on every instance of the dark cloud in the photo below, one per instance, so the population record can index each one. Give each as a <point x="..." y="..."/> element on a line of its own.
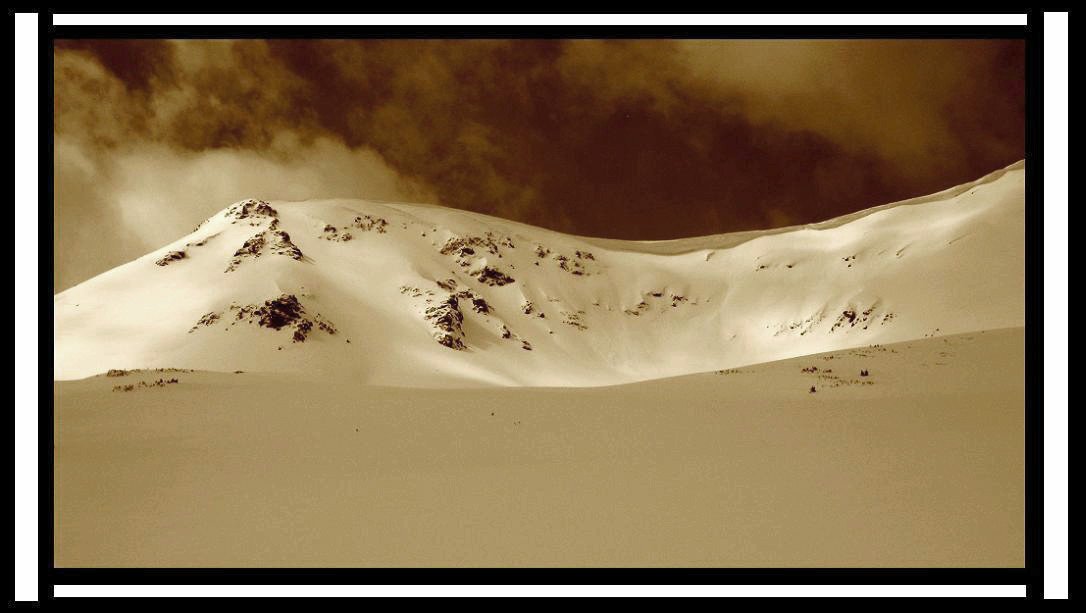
<point x="624" y="139"/>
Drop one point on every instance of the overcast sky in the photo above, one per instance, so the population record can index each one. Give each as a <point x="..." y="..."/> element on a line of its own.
<point x="621" y="139"/>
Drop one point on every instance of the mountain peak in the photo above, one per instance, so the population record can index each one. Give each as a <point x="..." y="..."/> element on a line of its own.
<point x="425" y="295"/>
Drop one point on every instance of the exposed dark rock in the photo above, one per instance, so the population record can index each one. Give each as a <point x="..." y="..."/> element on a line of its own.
<point x="158" y="383"/>
<point x="447" y="319"/>
<point x="331" y="233"/>
<point x="282" y="245"/>
<point x="570" y="265"/>
<point x="170" y="257"/>
<point x="414" y="291"/>
<point x="573" y="318"/>
<point x="492" y="276"/>
<point x="252" y="246"/>
<point x="249" y="209"/>
<point x="852" y="319"/>
<point x="276" y="242"/>
<point x="368" y="223"/>
<point x="466" y="245"/>
<point x="278" y="313"/>
<point x="206" y="320"/>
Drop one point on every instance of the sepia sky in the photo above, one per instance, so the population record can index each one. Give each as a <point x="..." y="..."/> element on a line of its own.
<point x="648" y="139"/>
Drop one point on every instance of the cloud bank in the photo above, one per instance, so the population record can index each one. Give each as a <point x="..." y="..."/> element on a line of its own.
<point x="627" y="139"/>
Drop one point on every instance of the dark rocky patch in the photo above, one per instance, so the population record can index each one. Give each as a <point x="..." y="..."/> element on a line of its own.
<point x="206" y="320"/>
<point x="447" y="320"/>
<point x="573" y="318"/>
<point x="143" y="384"/>
<point x="851" y="319"/>
<point x="492" y="276"/>
<point x="331" y="233"/>
<point x="170" y="257"/>
<point x="251" y="209"/>
<point x="804" y="326"/>
<point x="275" y="242"/>
<point x="466" y="245"/>
<point x="368" y="223"/>
<point x="275" y="314"/>
<point x="414" y="291"/>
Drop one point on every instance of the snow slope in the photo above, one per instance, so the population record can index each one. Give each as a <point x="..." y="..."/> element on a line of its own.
<point x="425" y="296"/>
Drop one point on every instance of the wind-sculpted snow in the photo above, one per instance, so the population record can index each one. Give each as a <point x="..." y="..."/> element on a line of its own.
<point x="429" y="296"/>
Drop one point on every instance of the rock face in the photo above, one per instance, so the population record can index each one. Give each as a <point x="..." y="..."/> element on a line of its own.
<point x="284" y="311"/>
<point x="447" y="320"/>
<point x="269" y="241"/>
<point x="424" y="295"/>
<point x="492" y="276"/>
<point x="170" y="257"/>
<point x="253" y="210"/>
<point x="368" y="223"/>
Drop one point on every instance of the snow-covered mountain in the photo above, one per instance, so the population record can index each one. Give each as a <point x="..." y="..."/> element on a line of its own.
<point x="414" y="295"/>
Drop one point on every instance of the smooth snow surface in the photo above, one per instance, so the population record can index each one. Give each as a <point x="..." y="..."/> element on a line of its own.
<point x="918" y="464"/>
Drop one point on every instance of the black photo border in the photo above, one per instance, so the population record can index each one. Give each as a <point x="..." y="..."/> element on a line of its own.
<point x="1030" y="575"/>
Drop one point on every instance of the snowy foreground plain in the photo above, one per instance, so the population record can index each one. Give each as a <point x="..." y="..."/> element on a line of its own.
<point x="420" y="386"/>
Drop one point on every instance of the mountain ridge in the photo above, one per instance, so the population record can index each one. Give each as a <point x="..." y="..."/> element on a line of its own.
<point x="421" y="295"/>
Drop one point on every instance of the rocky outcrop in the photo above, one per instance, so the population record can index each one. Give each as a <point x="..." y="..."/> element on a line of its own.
<point x="447" y="320"/>
<point x="369" y="223"/>
<point x="171" y="257"/>
<point x="849" y="318"/>
<point x="466" y="245"/>
<point x="256" y="211"/>
<point x="283" y="312"/>
<point x="273" y="242"/>
<point x="331" y="233"/>
<point x="492" y="276"/>
<point x="574" y="319"/>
